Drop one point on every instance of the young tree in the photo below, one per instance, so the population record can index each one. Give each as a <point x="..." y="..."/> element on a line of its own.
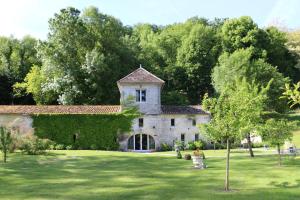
<point x="236" y="112"/>
<point x="5" y="141"/>
<point x="276" y="132"/>
<point x="224" y="125"/>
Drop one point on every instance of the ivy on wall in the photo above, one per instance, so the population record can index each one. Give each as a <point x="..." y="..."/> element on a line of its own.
<point x="83" y="131"/>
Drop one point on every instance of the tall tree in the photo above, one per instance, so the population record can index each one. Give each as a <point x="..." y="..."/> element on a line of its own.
<point x="84" y="56"/>
<point x="197" y="55"/>
<point x="241" y="64"/>
<point x="16" y="59"/>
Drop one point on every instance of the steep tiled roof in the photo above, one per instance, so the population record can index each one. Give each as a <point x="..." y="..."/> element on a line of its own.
<point x="192" y="109"/>
<point x="59" y="109"/>
<point x="141" y="75"/>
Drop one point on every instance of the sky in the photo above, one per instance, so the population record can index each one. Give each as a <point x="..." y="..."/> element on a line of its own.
<point x="30" y="17"/>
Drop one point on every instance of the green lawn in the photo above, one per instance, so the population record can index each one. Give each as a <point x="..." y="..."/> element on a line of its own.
<point x="117" y="175"/>
<point x="296" y="138"/>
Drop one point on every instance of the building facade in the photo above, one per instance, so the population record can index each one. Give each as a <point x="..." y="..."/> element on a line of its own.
<point x="156" y="125"/>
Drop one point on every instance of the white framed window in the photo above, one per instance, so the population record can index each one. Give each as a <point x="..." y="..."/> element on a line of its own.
<point x="140" y="95"/>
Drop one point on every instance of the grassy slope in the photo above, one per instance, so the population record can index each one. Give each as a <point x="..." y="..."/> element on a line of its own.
<point x="116" y="175"/>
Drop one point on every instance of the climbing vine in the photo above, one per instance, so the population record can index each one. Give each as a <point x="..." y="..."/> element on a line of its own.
<point x="83" y="131"/>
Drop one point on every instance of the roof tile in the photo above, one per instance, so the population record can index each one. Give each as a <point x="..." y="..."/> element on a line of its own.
<point x="59" y="109"/>
<point x="191" y="109"/>
<point x="141" y="75"/>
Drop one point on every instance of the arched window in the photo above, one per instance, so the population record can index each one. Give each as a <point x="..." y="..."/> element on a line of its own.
<point x="141" y="142"/>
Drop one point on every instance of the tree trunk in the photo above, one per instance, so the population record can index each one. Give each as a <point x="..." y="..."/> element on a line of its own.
<point x="250" y="145"/>
<point x="227" y="167"/>
<point x="279" y="154"/>
<point x="4" y="154"/>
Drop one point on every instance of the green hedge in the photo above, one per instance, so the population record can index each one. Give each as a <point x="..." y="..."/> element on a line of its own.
<point x="92" y="131"/>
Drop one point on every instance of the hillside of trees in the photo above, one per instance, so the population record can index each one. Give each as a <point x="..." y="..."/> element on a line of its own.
<point x="86" y="52"/>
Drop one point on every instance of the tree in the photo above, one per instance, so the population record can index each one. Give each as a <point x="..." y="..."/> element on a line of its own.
<point x="241" y="64"/>
<point x="292" y="94"/>
<point x="197" y="55"/>
<point x="276" y="132"/>
<point x="236" y="112"/>
<point x="249" y="100"/>
<point x="33" y="85"/>
<point x="293" y="44"/>
<point x="279" y="55"/>
<point x="223" y="125"/>
<point x="84" y="56"/>
<point x="16" y="58"/>
<point x="5" y="141"/>
<point x="243" y="33"/>
<point x="268" y="44"/>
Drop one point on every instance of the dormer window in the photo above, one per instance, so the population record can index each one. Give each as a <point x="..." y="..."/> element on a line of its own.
<point x="140" y="95"/>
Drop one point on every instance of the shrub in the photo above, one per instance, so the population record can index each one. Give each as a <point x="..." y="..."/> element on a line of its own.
<point x="179" y="156"/>
<point x="187" y="157"/>
<point x="69" y="147"/>
<point x="179" y="144"/>
<point x="59" y="147"/>
<point x="195" y="144"/>
<point x="33" y="145"/>
<point x="165" y="147"/>
<point x="94" y="147"/>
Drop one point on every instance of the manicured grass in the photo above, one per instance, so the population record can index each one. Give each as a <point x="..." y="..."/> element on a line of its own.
<point x="116" y="175"/>
<point x="295" y="116"/>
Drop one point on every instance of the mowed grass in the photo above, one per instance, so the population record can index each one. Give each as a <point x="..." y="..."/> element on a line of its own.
<point x="122" y="175"/>
<point x="295" y="116"/>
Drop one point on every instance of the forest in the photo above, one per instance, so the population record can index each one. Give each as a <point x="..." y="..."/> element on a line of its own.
<point x="86" y="52"/>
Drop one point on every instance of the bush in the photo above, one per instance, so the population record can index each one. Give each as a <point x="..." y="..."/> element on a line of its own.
<point x="59" y="147"/>
<point x="195" y="144"/>
<point x="165" y="147"/>
<point x="33" y="145"/>
<point x="179" y="156"/>
<point x="179" y="144"/>
<point x="187" y="157"/>
<point x="94" y="147"/>
<point x="69" y="147"/>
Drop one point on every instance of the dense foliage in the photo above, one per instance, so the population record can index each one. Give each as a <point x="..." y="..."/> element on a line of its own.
<point x="83" y="131"/>
<point x="87" y="52"/>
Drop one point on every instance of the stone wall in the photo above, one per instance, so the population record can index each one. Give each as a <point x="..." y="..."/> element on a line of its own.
<point x="152" y="104"/>
<point x="159" y="127"/>
<point x="22" y="122"/>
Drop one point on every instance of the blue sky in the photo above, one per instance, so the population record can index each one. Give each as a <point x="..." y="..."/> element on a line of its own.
<point x="22" y="17"/>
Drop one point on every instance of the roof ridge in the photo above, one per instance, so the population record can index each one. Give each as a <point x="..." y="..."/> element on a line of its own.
<point x="144" y="70"/>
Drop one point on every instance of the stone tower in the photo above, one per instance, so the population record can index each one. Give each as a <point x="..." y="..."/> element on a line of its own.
<point x="144" y="88"/>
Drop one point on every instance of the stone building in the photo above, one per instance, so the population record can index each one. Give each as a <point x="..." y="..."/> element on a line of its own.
<point x="157" y="124"/>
